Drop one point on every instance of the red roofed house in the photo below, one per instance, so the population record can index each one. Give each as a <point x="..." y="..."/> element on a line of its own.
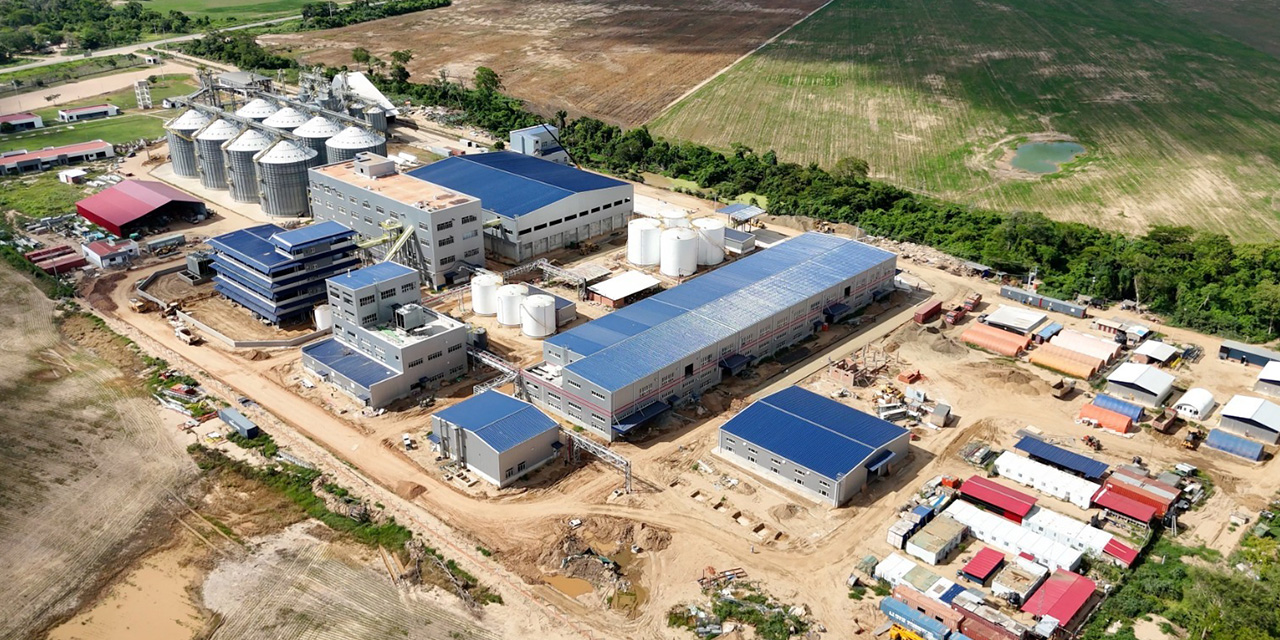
<point x="21" y="122"/>
<point x="133" y="205"/>
<point x="1143" y="488"/>
<point x="1122" y="505"/>
<point x="997" y="498"/>
<point x="983" y="566"/>
<point x="24" y="161"/>
<point x="105" y="255"/>
<point x="87" y="113"/>
<point x="1061" y="600"/>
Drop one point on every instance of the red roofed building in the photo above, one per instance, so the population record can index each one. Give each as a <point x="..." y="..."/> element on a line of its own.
<point x="21" y="121"/>
<point x="133" y="205"/>
<point x="28" y="161"/>
<point x="1143" y="488"/>
<point x="997" y="498"/>
<point x="105" y="255"/>
<point x="983" y="565"/>
<point x="1124" y="506"/>
<point x="87" y="113"/>
<point x="1062" y="598"/>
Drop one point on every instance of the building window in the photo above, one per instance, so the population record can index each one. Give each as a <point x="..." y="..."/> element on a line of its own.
<point x="510" y="472"/>
<point x="824" y="483"/>
<point x="800" y="472"/>
<point x="520" y="467"/>
<point x="365" y="204"/>
<point x="366" y="300"/>
<point x="446" y="260"/>
<point x="617" y="202"/>
<point x="597" y="417"/>
<point x="751" y="458"/>
<point x="555" y="222"/>
<point x="471" y="253"/>
<point x="575" y="407"/>
<point x="775" y="470"/>
<point x="373" y="317"/>
<point x="595" y="210"/>
<point x="386" y="293"/>
<point x="799" y="480"/>
<point x="352" y="199"/>
<point x="823" y="492"/>
<point x="775" y="461"/>
<point x="752" y="450"/>
<point x="524" y="231"/>
<point x="415" y="363"/>
<point x="574" y="384"/>
<point x="597" y="395"/>
<point x="379" y="209"/>
<point x="454" y="348"/>
<point x="540" y="227"/>
<point x="447" y="224"/>
<point x="444" y="242"/>
<point x="470" y="234"/>
<point x="607" y="206"/>
<point x="468" y="219"/>
<point x="435" y="355"/>
<point x="571" y="216"/>
<point x="730" y="440"/>
<point x="406" y="287"/>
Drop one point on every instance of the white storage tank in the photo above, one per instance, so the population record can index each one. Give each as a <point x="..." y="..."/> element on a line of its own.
<point x="324" y="317"/>
<point x="674" y="219"/>
<point x="484" y="294"/>
<point x="286" y="119"/>
<point x="539" y="316"/>
<point x="257" y="110"/>
<point x="643" y="241"/>
<point x="710" y="240"/>
<point x="679" y="252"/>
<point x="510" y="299"/>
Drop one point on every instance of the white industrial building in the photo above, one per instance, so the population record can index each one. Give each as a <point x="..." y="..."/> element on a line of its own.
<point x="1269" y="379"/>
<point x="432" y="228"/>
<point x="1195" y="404"/>
<point x="1046" y="479"/>
<point x="1155" y="352"/>
<point x="80" y="114"/>
<point x="1012" y="538"/>
<point x="1141" y="383"/>
<point x="539" y="141"/>
<point x="1252" y="418"/>
<point x="496" y="437"/>
<point x="1105" y="350"/>
<point x="533" y="206"/>
<point x="1016" y="319"/>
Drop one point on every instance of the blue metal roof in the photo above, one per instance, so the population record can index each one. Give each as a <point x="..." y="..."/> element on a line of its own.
<point x="349" y="363"/>
<point x="1234" y="445"/>
<point x="499" y="420"/>
<point x="649" y="412"/>
<point x="1050" y="331"/>
<point x="741" y="212"/>
<point x="642" y="339"/>
<point x="252" y="246"/>
<point x="951" y="593"/>
<point x="1084" y="465"/>
<point x="813" y="431"/>
<point x="904" y="614"/>
<point x="511" y="184"/>
<point x="371" y="275"/>
<point x="1132" y="411"/>
<point x="300" y="238"/>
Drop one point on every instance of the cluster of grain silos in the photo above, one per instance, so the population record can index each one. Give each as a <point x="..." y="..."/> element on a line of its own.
<point x="315" y="133"/>
<point x="286" y="119"/>
<point x="676" y="245"/>
<point x="257" y="109"/>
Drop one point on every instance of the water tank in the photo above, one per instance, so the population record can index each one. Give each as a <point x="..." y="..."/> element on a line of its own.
<point x="376" y="117"/>
<point x="679" y="252"/>
<point x="242" y="176"/>
<point x="287" y="119"/>
<point x="257" y="110"/>
<point x="643" y="241"/>
<point x="673" y="219"/>
<point x="282" y="178"/>
<point x="182" y="146"/>
<point x="314" y="133"/>
<point x="209" y="141"/>
<point x="538" y="319"/>
<point x="510" y="298"/>
<point x="710" y="240"/>
<point x="484" y="294"/>
<point x="353" y="140"/>
<point x="323" y="317"/>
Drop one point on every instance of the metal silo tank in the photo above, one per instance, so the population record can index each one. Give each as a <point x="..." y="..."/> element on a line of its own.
<point x="287" y="119"/>
<point x="376" y="117"/>
<point x="182" y="146"/>
<point x="642" y="241"/>
<point x="679" y="252"/>
<point x="484" y="294"/>
<point x="710" y="240"/>
<point x="282" y="178"/>
<point x="213" y="170"/>
<point x="314" y="133"/>
<point x="353" y="140"/>
<point x="242" y="175"/>
<point x="510" y="300"/>
<point x="257" y="110"/>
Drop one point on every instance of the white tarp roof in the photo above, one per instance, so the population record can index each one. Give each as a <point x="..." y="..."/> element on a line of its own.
<point x="357" y="83"/>
<point x="1105" y="350"/>
<point x="1197" y="399"/>
<point x="1157" y="350"/>
<point x="1143" y="376"/>
<point x="1271" y="372"/>
<point x="1046" y="479"/>
<point x="1004" y="534"/>
<point x="625" y="284"/>
<point x="1263" y="412"/>
<point x="1023" y="320"/>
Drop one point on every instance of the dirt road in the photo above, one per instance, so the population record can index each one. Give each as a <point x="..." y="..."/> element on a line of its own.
<point x="85" y="88"/>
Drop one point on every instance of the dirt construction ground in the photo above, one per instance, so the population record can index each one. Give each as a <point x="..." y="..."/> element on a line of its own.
<point x="622" y="63"/>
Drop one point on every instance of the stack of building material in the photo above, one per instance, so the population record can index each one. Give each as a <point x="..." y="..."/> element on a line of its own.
<point x="1066" y="361"/>
<point x="1105" y="418"/>
<point x="1105" y="350"/>
<point x="1046" y="479"/>
<point x="995" y="340"/>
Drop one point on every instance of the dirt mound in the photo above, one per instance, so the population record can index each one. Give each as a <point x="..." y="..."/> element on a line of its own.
<point x="256" y="354"/>
<point x="650" y="538"/>
<point x="87" y="331"/>
<point x="785" y="512"/>
<point x="98" y="291"/>
<point x="409" y="490"/>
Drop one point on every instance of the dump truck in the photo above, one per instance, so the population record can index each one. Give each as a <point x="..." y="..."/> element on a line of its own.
<point x="141" y="305"/>
<point x="955" y="315"/>
<point x="186" y="335"/>
<point x="928" y="311"/>
<point x="1062" y="388"/>
<point x="1192" y="441"/>
<point x="972" y="301"/>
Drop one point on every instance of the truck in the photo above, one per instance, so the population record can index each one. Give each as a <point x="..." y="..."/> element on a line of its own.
<point x="1062" y="388"/>
<point x="928" y="311"/>
<point x="141" y="305"/>
<point x="1192" y="441"/>
<point x="972" y="301"/>
<point x="186" y="335"/>
<point x="955" y="315"/>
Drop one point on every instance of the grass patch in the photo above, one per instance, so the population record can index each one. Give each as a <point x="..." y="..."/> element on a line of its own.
<point x="230" y="11"/>
<point x="69" y="71"/>
<point x="39" y="195"/>
<point x="118" y="130"/>
<point x="162" y="86"/>
<point x="261" y="442"/>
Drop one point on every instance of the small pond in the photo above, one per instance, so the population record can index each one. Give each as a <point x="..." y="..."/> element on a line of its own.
<point x="1045" y="157"/>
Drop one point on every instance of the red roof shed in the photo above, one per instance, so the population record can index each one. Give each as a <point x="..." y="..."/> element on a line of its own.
<point x="1124" y="505"/>
<point x="983" y="565"/>
<point x="1014" y="505"/>
<point x="1121" y="551"/>
<point x="1061" y="597"/>
<point x="121" y="208"/>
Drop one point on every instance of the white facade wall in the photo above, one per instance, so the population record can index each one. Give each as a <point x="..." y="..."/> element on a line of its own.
<point x="576" y="218"/>
<point x="1046" y="479"/>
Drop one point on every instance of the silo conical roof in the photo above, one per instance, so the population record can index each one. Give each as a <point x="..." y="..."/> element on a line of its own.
<point x="318" y="127"/>
<point x="257" y="108"/>
<point x="286" y="118"/>
<point x="251" y="140"/>
<point x="355" y="138"/>
<point x="219" y="130"/>
<point x="285" y="152"/>
<point x="190" y="120"/>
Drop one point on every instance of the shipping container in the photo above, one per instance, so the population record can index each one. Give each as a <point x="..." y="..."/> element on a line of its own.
<point x="928" y="311"/>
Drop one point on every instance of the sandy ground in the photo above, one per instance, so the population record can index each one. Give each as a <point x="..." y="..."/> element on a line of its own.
<point x="73" y="91"/>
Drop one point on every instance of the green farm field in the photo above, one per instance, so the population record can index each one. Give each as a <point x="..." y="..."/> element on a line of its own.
<point x="1181" y="121"/>
<point x="222" y="10"/>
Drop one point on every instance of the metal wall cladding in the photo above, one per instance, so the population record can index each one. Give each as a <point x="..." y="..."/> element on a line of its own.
<point x="182" y="150"/>
<point x="353" y="140"/>
<point x="282" y="178"/>
<point x="209" y="141"/>
<point x="377" y="118"/>
<point x="242" y="174"/>
<point x="315" y="133"/>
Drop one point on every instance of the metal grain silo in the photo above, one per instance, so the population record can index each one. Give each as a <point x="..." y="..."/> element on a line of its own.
<point x="257" y="110"/>
<point x="282" y="178"/>
<point x="353" y="140"/>
<point x="376" y="117"/>
<point x="287" y="119"/>
<point x="182" y="146"/>
<point x="213" y="171"/>
<point x="242" y="175"/>
<point x="314" y="133"/>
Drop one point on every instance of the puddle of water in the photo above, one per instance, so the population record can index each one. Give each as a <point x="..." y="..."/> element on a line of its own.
<point x="572" y="587"/>
<point x="1045" y="157"/>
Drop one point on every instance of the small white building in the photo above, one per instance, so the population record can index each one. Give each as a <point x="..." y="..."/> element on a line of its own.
<point x="1020" y="577"/>
<point x="1155" y="352"/>
<point x="937" y="540"/>
<point x="1142" y="383"/>
<point x="1195" y="404"/>
<point x="539" y="141"/>
<point x="1046" y="479"/>
<point x="22" y="121"/>
<point x="106" y="255"/>
<point x="72" y="176"/>
<point x="1269" y="379"/>
<point x="94" y="112"/>
<point x="1015" y="319"/>
<point x="1252" y="418"/>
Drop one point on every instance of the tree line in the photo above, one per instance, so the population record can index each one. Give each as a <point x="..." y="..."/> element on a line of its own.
<point x="32" y="25"/>
<point x="330" y="15"/>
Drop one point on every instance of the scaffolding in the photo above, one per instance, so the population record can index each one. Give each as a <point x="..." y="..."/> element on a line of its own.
<point x="142" y="94"/>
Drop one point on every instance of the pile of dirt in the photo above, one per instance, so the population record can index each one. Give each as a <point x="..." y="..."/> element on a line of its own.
<point x="98" y="291"/>
<point x="784" y="512"/>
<point x="256" y="354"/>
<point x="409" y="490"/>
<point x="584" y="552"/>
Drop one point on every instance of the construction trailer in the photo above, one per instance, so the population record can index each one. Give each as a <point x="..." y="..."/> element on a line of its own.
<point x="1046" y="479"/>
<point x="1034" y="299"/>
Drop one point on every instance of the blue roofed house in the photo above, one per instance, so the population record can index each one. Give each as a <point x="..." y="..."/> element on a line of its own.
<point x="277" y="274"/>
<point x="497" y="437"/>
<point x="533" y="206"/>
<point x="813" y="445"/>
<point x="385" y="344"/>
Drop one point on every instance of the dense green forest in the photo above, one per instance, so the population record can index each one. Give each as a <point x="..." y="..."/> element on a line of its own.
<point x="30" y="25"/>
<point x="330" y="15"/>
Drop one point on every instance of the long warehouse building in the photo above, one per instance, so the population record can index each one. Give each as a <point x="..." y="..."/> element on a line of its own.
<point x="615" y="373"/>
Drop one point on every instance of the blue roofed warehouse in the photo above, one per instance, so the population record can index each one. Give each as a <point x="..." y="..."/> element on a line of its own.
<point x="497" y="437"/>
<point x="813" y="444"/>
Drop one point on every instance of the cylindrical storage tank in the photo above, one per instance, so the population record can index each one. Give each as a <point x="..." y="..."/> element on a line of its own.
<point x="314" y="133"/>
<point x="538" y="319"/>
<point x="376" y="117"/>
<point x="673" y="219"/>
<point x="324" y="317"/>
<point x="242" y="175"/>
<point x="257" y="110"/>
<point x="642" y="241"/>
<point x="213" y="168"/>
<point x="679" y="252"/>
<point x="484" y="294"/>
<point x="286" y="119"/>
<point x="710" y="240"/>
<point x="182" y="145"/>
<point x="282" y="178"/>
<point x="353" y="140"/>
<point x="510" y="299"/>
<point x="479" y="338"/>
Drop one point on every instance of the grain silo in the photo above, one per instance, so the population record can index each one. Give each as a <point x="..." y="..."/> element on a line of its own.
<point x="282" y="178"/>
<point x="257" y="110"/>
<point x="182" y="145"/>
<point x="314" y="133"/>
<point x="376" y="117"/>
<point x="242" y="175"/>
<point x="353" y="140"/>
<point x="213" y="169"/>
<point x="286" y="119"/>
